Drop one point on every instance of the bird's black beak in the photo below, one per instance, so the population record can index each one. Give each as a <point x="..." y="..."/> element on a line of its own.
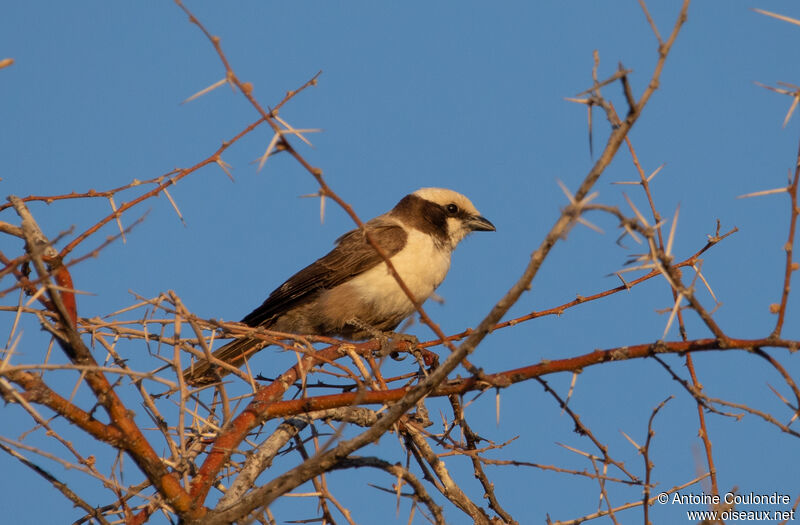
<point x="480" y="224"/>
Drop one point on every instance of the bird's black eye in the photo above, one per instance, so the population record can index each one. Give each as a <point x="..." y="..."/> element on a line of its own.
<point x="452" y="209"/>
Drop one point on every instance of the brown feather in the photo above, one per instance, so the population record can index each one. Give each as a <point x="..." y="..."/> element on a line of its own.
<point x="353" y="255"/>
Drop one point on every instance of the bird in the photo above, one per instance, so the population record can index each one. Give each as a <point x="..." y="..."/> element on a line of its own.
<point x="350" y="292"/>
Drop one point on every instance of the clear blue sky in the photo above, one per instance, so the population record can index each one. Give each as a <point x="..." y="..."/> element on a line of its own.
<point x="464" y="95"/>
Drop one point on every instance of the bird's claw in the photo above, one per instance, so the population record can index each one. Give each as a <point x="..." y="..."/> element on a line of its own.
<point x="389" y="344"/>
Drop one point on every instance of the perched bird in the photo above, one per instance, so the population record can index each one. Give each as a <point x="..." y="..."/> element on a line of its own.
<point x="350" y="292"/>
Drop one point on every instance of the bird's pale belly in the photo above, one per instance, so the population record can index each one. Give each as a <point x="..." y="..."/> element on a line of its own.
<point x="373" y="301"/>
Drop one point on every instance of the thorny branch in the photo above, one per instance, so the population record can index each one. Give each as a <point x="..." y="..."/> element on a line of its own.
<point x="219" y="435"/>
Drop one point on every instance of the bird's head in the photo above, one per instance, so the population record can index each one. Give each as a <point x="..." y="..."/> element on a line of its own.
<point x="444" y="213"/>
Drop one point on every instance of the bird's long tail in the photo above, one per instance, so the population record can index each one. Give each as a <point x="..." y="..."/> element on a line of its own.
<point x="234" y="353"/>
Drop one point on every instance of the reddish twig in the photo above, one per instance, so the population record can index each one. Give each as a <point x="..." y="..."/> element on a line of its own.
<point x="645" y="183"/>
<point x="648" y="466"/>
<point x="790" y="266"/>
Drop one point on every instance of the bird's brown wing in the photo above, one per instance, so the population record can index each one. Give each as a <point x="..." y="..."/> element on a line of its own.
<point x="353" y="255"/>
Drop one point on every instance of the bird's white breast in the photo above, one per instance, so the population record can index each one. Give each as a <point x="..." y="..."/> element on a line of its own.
<point x="421" y="263"/>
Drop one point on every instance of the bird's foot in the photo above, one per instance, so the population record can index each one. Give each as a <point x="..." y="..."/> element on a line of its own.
<point x="393" y="343"/>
